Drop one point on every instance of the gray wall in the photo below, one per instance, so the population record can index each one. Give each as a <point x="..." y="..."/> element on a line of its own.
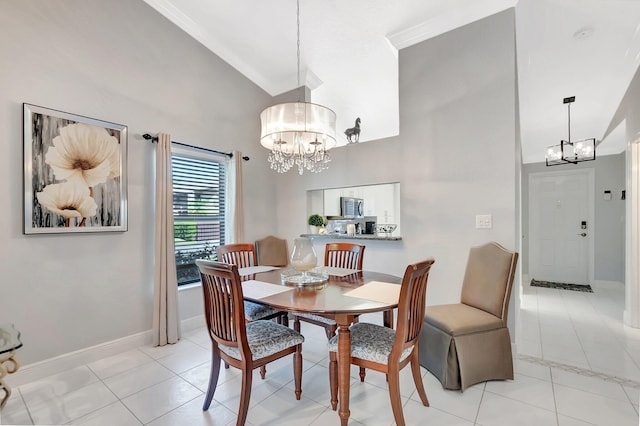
<point x="609" y="215"/>
<point x="455" y="156"/>
<point x="629" y="112"/>
<point x="119" y="61"/>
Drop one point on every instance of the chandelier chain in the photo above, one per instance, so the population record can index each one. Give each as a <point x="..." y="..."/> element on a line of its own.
<point x="569" y="121"/>
<point x="298" y="37"/>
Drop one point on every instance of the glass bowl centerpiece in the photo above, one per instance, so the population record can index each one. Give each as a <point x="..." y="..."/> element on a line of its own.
<point x="386" y="228"/>
<point x="303" y="261"/>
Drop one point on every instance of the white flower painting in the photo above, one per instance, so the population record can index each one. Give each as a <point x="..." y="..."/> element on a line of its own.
<point x="68" y="199"/>
<point x="74" y="173"/>
<point x="85" y="154"/>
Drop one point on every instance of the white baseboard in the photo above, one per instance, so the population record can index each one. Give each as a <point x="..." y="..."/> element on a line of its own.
<point x="192" y="323"/>
<point x="603" y="283"/>
<point x="39" y="370"/>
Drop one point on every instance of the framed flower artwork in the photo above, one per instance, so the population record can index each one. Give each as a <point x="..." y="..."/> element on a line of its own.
<point x="75" y="173"/>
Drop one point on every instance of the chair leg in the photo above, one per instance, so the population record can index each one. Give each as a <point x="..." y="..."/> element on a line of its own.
<point x="394" y="394"/>
<point x="245" y="395"/>
<point x="330" y="330"/>
<point x="417" y="376"/>
<point x="213" y="379"/>
<point x="297" y="370"/>
<point x="296" y="323"/>
<point x="333" y="379"/>
<point x="284" y="319"/>
<point x="263" y="371"/>
<point x="363" y="373"/>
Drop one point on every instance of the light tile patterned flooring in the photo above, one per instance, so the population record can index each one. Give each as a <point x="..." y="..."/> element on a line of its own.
<point x="578" y="366"/>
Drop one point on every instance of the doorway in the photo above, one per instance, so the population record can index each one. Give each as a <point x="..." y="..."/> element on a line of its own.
<point x="561" y="225"/>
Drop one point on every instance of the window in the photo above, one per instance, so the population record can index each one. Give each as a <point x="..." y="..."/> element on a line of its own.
<point x="199" y="182"/>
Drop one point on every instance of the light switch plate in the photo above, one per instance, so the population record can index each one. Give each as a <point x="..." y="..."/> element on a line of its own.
<point x="484" y="221"/>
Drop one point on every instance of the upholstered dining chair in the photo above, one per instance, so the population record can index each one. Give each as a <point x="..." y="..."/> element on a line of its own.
<point x="244" y="345"/>
<point x="338" y="255"/>
<point x="468" y="342"/>
<point x="386" y="350"/>
<point x="243" y="255"/>
<point x="272" y="251"/>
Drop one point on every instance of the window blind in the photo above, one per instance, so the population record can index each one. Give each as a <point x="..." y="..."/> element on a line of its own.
<point x="199" y="192"/>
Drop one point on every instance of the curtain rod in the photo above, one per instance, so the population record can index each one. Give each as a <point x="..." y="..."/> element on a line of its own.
<point x="147" y="136"/>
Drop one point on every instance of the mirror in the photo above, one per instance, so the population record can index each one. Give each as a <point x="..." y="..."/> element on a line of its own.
<point x="381" y="201"/>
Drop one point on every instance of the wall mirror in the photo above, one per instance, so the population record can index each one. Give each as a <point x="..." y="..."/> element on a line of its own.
<point x="380" y="201"/>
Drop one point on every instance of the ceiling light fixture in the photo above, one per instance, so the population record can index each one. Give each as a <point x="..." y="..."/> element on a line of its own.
<point x="299" y="133"/>
<point x="571" y="152"/>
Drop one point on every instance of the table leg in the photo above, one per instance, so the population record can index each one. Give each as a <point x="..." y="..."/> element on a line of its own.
<point x="387" y="318"/>
<point x="344" y="366"/>
<point x="4" y="370"/>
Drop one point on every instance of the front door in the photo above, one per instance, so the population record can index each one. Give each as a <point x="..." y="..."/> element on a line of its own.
<point x="561" y="226"/>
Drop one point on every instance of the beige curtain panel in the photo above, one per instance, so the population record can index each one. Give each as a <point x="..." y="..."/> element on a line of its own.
<point x="235" y="205"/>
<point x="166" y="321"/>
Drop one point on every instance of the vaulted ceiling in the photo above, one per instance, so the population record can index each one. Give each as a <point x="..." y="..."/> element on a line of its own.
<point x="589" y="49"/>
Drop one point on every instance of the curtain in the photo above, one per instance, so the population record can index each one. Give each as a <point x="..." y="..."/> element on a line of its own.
<point x="235" y="207"/>
<point x="166" y="322"/>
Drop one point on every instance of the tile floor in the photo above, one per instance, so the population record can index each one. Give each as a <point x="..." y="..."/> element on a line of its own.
<point x="580" y="329"/>
<point x="564" y="377"/>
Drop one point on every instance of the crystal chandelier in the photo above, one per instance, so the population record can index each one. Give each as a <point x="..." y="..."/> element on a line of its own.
<point x="571" y="152"/>
<point x="298" y="133"/>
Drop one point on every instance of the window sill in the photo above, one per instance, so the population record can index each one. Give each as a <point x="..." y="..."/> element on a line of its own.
<point x="189" y="286"/>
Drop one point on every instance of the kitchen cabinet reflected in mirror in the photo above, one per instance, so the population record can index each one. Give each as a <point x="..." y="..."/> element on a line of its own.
<point x="368" y="207"/>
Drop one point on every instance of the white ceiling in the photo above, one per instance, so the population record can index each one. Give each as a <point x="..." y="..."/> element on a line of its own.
<point x="589" y="49"/>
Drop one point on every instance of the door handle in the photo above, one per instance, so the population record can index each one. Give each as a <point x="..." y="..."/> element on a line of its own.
<point x="584" y="234"/>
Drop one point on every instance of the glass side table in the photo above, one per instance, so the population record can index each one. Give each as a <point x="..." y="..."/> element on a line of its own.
<point x="9" y="342"/>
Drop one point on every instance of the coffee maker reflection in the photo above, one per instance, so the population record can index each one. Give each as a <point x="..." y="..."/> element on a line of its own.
<point x="369" y="227"/>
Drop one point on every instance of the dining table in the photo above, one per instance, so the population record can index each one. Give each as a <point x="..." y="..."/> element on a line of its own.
<point x="343" y="296"/>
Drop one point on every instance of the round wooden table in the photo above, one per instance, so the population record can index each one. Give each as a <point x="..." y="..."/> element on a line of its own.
<point x="336" y="299"/>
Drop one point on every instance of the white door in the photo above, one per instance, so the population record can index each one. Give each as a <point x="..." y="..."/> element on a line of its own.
<point x="561" y="226"/>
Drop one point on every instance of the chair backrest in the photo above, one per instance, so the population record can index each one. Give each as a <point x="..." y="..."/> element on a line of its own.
<point x="488" y="279"/>
<point x="272" y="251"/>
<point x="411" y="306"/>
<point x="242" y="255"/>
<point x="223" y="304"/>
<point x="344" y="255"/>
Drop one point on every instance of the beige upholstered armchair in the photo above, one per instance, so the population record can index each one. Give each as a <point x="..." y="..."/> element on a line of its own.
<point x="272" y="251"/>
<point x="468" y="342"/>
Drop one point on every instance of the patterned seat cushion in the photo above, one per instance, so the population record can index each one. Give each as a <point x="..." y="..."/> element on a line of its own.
<point x="266" y="338"/>
<point x="319" y="318"/>
<point x="256" y="311"/>
<point x="370" y="342"/>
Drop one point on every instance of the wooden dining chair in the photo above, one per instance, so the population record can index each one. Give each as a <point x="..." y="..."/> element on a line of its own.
<point x="386" y="350"/>
<point x="243" y="255"/>
<point x="344" y="255"/>
<point x="241" y="344"/>
<point x="338" y="255"/>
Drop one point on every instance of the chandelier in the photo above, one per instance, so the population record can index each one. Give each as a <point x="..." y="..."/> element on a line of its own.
<point x="298" y="133"/>
<point x="571" y="152"/>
